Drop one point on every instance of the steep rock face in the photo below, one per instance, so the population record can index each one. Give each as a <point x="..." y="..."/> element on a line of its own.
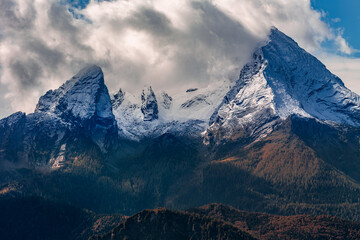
<point x="83" y="97"/>
<point x="82" y="102"/>
<point x="118" y="98"/>
<point x="303" y="84"/>
<point x="247" y="110"/>
<point x="281" y="80"/>
<point x="29" y="140"/>
<point x="11" y="138"/>
<point x="149" y="106"/>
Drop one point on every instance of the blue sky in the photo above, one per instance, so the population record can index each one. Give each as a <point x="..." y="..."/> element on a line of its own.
<point x="78" y="3"/>
<point x="343" y="15"/>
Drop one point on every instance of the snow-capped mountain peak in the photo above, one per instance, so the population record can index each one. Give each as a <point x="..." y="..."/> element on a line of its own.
<point x="83" y="96"/>
<point x="281" y="80"/>
<point x="83" y="102"/>
<point x="295" y="74"/>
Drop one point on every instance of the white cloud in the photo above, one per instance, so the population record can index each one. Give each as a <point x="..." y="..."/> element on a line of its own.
<point x="171" y="45"/>
<point x="343" y="45"/>
<point x="347" y="68"/>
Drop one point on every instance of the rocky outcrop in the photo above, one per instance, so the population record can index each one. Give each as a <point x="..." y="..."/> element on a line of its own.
<point x="118" y="98"/>
<point x="149" y="106"/>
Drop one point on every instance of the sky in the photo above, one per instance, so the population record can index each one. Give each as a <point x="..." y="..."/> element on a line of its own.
<point x="170" y="45"/>
<point x="343" y="15"/>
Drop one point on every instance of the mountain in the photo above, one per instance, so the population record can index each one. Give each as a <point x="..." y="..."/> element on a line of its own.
<point x="80" y="108"/>
<point x="283" y="139"/>
<point x="281" y="80"/>
<point x="82" y="102"/>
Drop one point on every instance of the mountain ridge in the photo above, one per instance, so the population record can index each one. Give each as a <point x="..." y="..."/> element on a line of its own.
<point x="267" y="90"/>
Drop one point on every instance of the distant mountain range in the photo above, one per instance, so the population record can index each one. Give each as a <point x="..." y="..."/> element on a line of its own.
<point x="283" y="139"/>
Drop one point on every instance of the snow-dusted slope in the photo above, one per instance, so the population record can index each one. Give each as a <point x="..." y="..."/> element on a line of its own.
<point x="82" y="97"/>
<point x="282" y="80"/>
<point x="152" y="114"/>
<point x="294" y="74"/>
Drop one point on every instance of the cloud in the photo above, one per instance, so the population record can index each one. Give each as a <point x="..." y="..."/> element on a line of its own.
<point x="347" y="68"/>
<point x="171" y="45"/>
<point x="343" y="45"/>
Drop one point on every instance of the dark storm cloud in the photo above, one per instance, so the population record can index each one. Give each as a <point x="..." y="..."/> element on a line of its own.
<point x="13" y="21"/>
<point x="49" y="58"/>
<point x="27" y="73"/>
<point x="150" y="20"/>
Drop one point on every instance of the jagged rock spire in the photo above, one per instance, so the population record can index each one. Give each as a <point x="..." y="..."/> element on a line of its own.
<point x="118" y="98"/>
<point x="149" y="106"/>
